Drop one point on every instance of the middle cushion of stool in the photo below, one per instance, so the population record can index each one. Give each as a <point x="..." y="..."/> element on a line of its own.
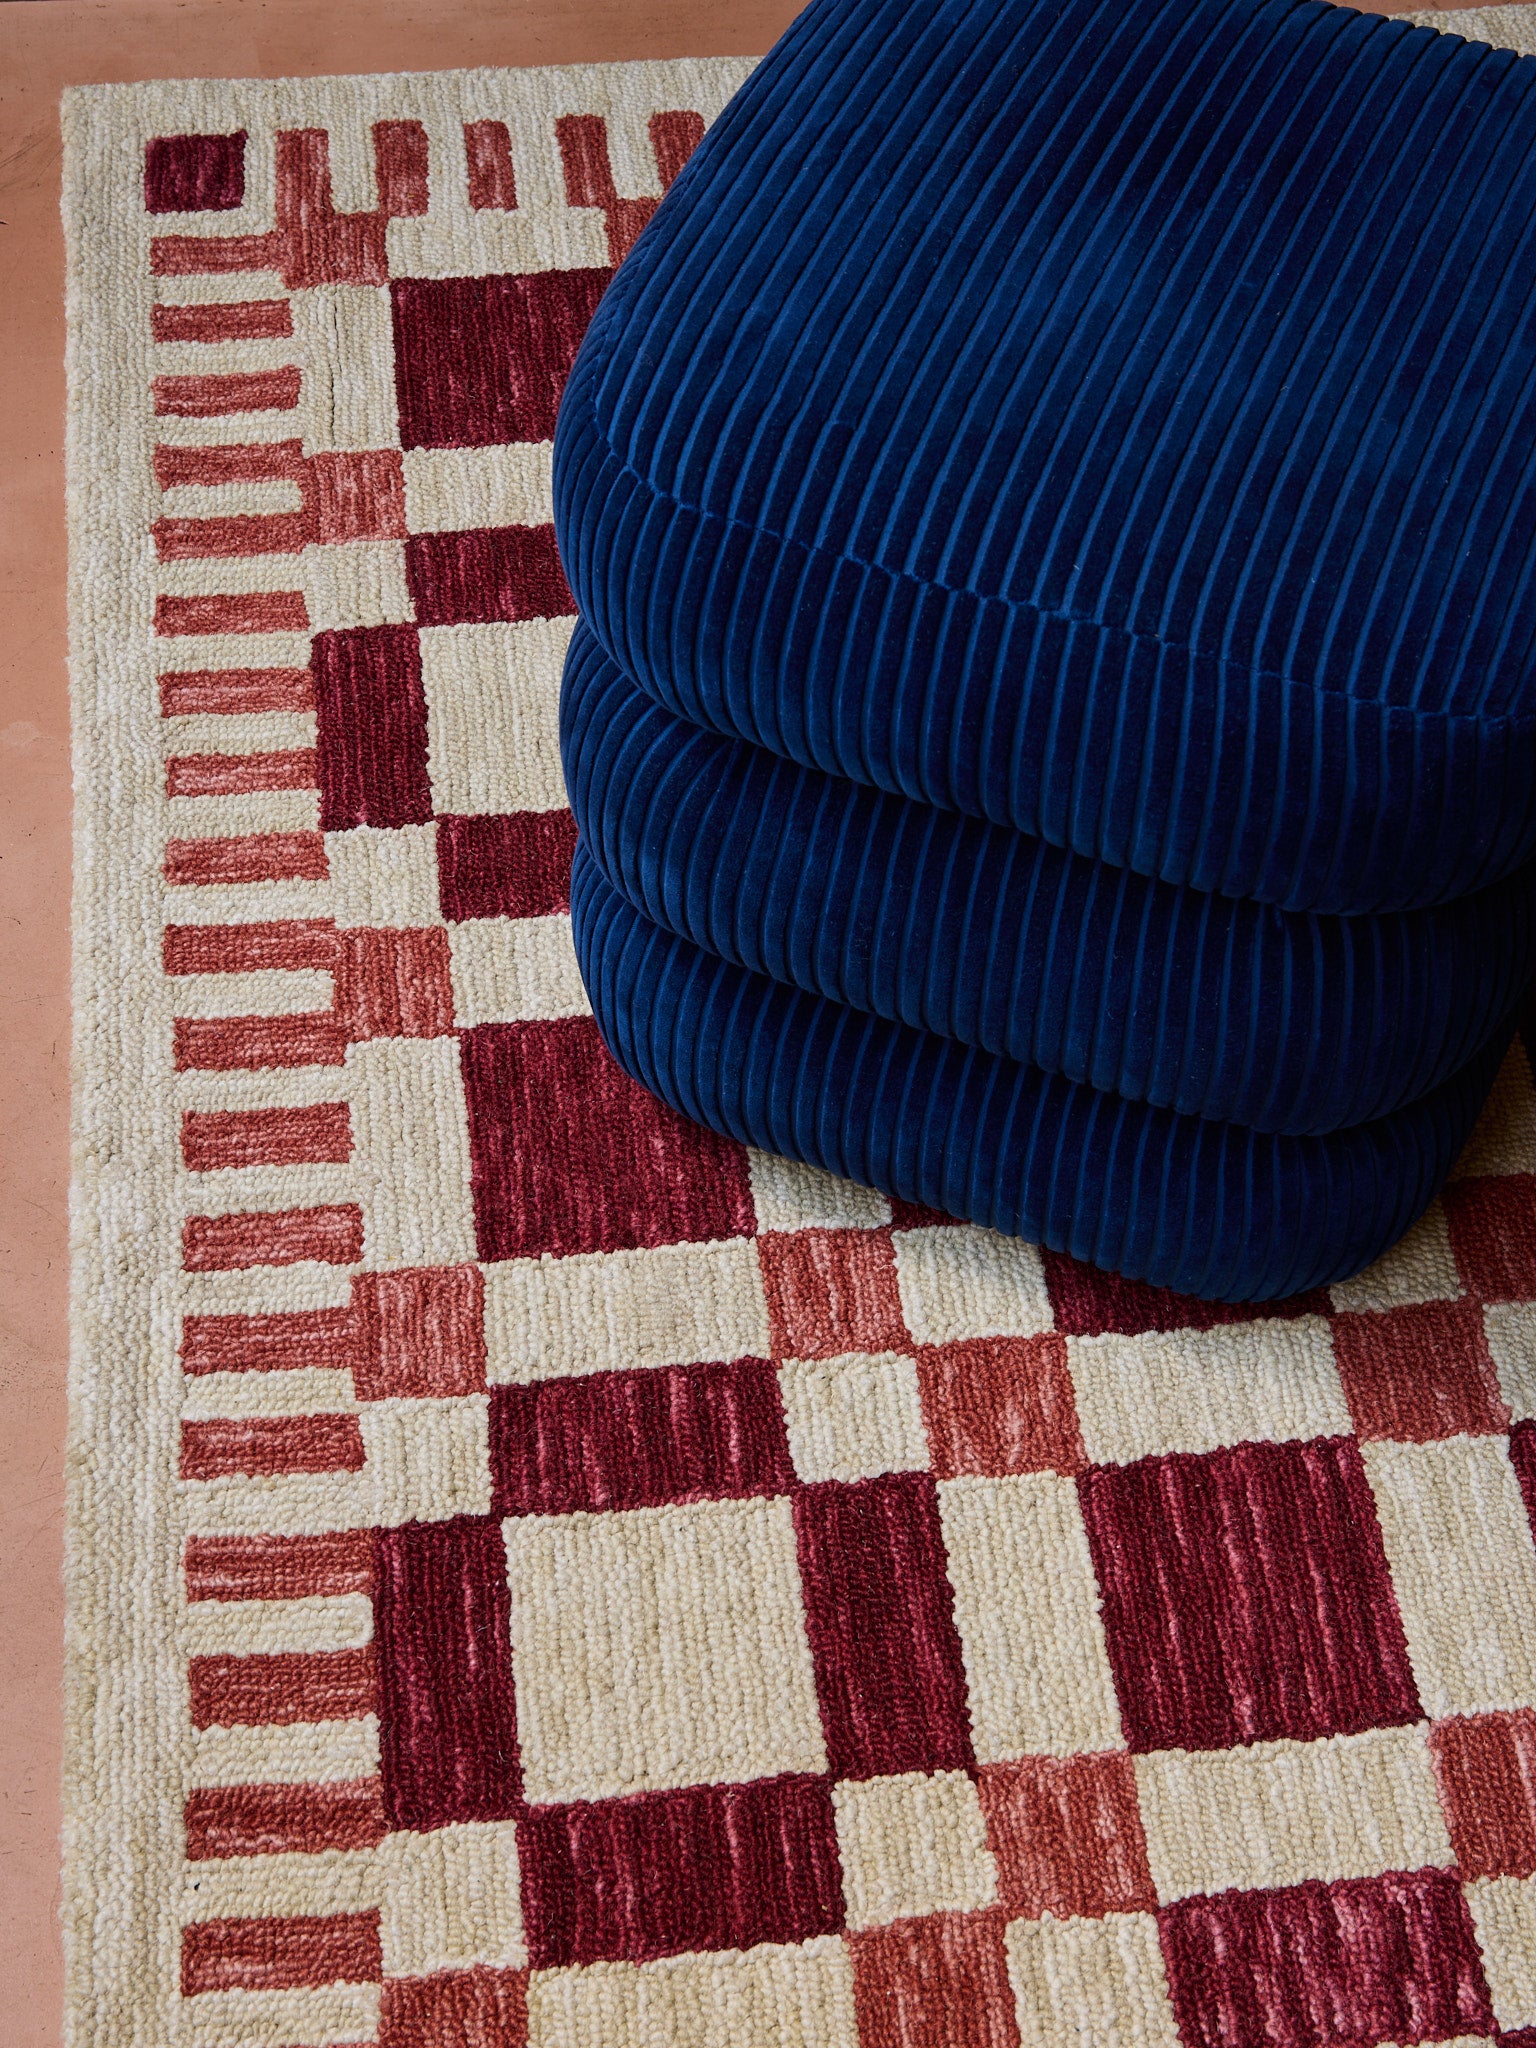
<point x="1213" y="1006"/>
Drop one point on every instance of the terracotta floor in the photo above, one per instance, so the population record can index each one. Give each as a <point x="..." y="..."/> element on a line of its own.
<point x="45" y="45"/>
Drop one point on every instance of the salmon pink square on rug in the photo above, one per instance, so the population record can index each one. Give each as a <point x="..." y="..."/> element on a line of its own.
<point x="542" y="1575"/>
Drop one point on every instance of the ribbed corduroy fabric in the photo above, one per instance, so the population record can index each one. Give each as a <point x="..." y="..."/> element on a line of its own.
<point x="1213" y="1006"/>
<point x="1206" y="1208"/>
<point x="1053" y="720"/>
<point x="1112" y="421"/>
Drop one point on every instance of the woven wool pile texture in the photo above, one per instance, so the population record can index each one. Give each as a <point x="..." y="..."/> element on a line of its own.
<point x="539" y="1573"/>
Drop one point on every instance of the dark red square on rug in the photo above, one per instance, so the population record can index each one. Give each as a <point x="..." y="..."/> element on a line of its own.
<point x="1246" y="1596"/>
<point x="744" y="1864"/>
<point x="487" y="574"/>
<point x="481" y="361"/>
<point x="1364" y="1961"/>
<point x="372" y="717"/>
<point x="880" y="1617"/>
<point x="447" y="1716"/>
<point x="516" y="865"/>
<point x="570" y="1155"/>
<point x="194" y="173"/>
<point x="612" y="1440"/>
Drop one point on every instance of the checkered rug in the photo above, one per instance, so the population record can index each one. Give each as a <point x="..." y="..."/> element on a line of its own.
<point x="541" y="1574"/>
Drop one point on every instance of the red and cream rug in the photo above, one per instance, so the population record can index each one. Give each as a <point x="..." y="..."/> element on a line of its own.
<point x="538" y="1573"/>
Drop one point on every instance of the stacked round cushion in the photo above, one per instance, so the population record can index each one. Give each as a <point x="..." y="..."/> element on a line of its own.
<point x="1052" y="721"/>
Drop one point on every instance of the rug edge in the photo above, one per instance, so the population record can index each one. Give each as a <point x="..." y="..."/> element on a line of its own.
<point x="121" y="1855"/>
<point x="121" y="1957"/>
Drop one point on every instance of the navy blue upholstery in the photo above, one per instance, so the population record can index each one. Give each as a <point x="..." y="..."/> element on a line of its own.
<point x="1051" y="500"/>
<point x="1211" y="1005"/>
<point x="1116" y="421"/>
<point x="1207" y="1208"/>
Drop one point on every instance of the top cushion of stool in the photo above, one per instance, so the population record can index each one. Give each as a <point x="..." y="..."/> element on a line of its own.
<point x="1115" y="420"/>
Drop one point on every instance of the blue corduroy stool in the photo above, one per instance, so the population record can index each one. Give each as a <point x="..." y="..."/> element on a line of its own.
<point x="1051" y="500"/>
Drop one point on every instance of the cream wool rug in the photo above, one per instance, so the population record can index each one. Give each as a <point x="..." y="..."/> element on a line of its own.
<point x="538" y="1573"/>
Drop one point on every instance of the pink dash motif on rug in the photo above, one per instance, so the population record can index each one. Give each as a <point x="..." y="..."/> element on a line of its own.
<point x="543" y="1576"/>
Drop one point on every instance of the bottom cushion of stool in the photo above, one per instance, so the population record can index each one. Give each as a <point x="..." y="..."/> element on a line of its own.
<point x="1207" y="1208"/>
